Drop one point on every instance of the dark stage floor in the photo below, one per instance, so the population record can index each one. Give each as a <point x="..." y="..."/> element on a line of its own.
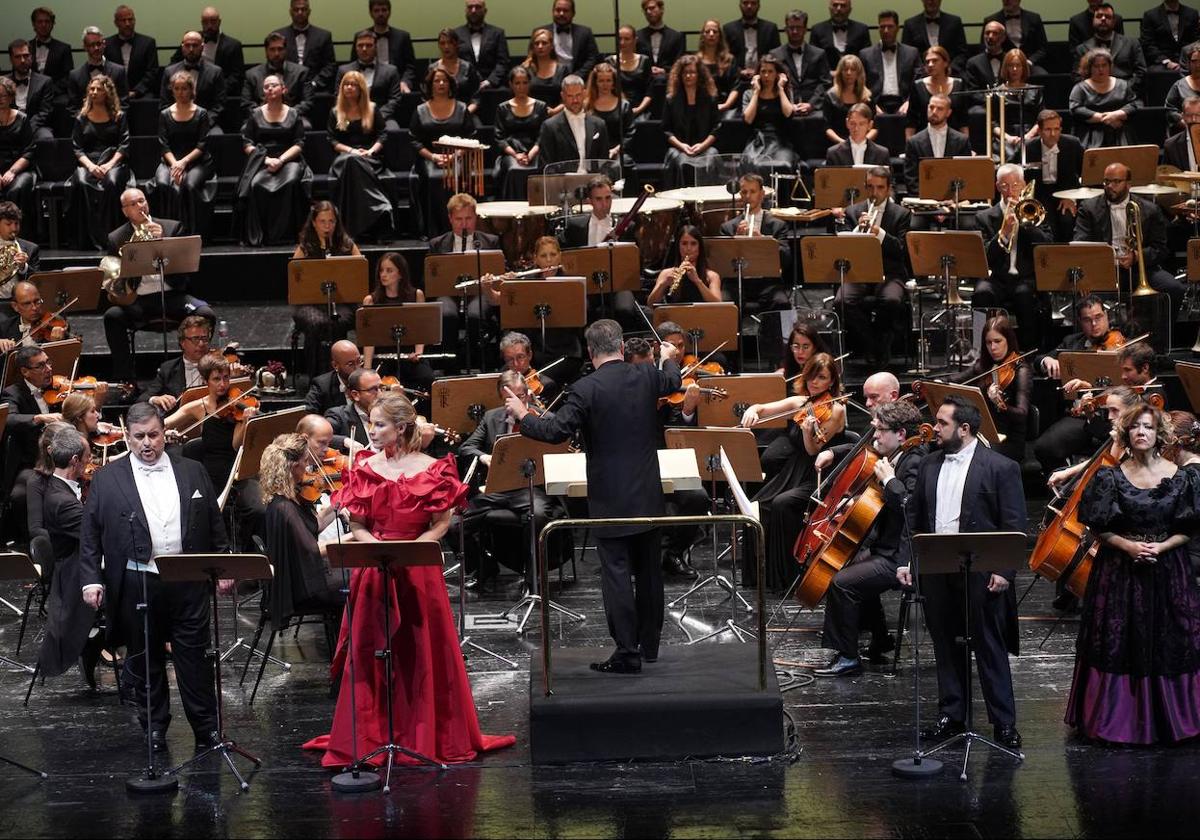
<point x="848" y="732"/>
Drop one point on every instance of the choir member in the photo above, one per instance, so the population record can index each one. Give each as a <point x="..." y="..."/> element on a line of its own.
<point x="276" y="182"/>
<point x="356" y="132"/>
<point x="484" y="45"/>
<point x="208" y="80"/>
<point x="607" y="102"/>
<point x="100" y="142"/>
<point x="442" y="113"/>
<point x="185" y="182"/>
<point x="574" y="44"/>
<point x="518" y="123"/>
<point x="937" y="80"/>
<point x="933" y="27"/>
<point x="890" y="66"/>
<point x="1101" y="103"/>
<point x="690" y="122"/>
<point x="766" y="108"/>
<point x="840" y="36"/>
<point x="659" y="42"/>
<point x="546" y="72"/>
<point x="466" y="77"/>
<point x="721" y="64"/>
<point x="136" y="52"/>
<point x="806" y="66"/>
<point x="849" y="88"/>
<point x="310" y="46"/>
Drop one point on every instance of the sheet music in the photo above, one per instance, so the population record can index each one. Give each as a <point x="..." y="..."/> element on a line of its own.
<point x="747" y="507"/>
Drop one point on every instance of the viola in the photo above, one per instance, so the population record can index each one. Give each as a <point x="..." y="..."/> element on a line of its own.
<point x="1087" y="406"/>
<point x="391" y="383"/>
<point x="61" y="387"/>
<point x="50" y="327"/>
<point x="328" y="475"/>
<point x="713" y="394"/>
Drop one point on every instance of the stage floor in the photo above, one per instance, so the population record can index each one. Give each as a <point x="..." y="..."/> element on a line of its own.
<point x="847" y="733"/>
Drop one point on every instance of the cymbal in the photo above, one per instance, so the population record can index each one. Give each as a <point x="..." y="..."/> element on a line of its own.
<point x="1153" y="189"/>
<point x="1079" y="193"/>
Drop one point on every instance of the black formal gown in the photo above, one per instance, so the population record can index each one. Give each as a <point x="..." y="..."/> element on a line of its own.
<point x="96" y="204"/>
<point x="425" y="129"/>
<point x="466" y="81"/>
<point x="191" y="201"/>
<point x="769" y="149"/>
<point x="216" y="437"/>
<point x="618" y="122"/>
<point x="274" y="205"/>
<point x="520" y="134"/>
<point x="17" y="142"/>
<point x="918" y="104"/>
<point x="548" y="90"/>
<point x="357" y="189"/>
<point x="726" y="81"/>
<point x="1085" y="102"/>
<point x="689" y="124"/>
<point x="635" y="83"/>
<point x="1013" y="421"/>
<point x="835" y="110"/>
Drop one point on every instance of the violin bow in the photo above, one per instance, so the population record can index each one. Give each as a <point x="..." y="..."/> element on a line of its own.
<point x="47" y="319"/>
<point x="761" y="420"/>
<point x="220" y="410"/>
<point x="645" y="318"/>
<point x="545" y="368"/>
<point x="997" y="367"/>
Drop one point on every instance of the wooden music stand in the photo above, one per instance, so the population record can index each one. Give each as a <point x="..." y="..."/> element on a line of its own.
<point x="1079" y="268"/>
<point x="328" y="281"/>
<point x="839" y="186"/>
<point x="707" y="325"/>
<point x="739" y="445"/>
<point x="1193" y="257"/>
<point x="1189" y="377"/>
<point x="175" y="255"/>
<point x="947" y="254"/>
<point x="261" y="430"/>
<point x="957" y="179"/>
<point x="444" y="271"/>
<point x="557" y="303"/>
<point x="935" y="394"/>
<point x="759" y="253"/>
<point x="555" y="189"/>
<point x="460" y="401"/>
<point x="744" y="391"/>
<point x="62" y="354"/>
<point x="407" y="323"/>
<point x="613" y="267"/>
<point x="1141" y="160"/>
<point x="1102" y="368"/>
<point x="841" y="259"/>
<point x="58" y="287"/>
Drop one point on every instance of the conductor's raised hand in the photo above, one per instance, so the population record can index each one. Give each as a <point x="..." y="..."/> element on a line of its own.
<point x="668" y="351"/>
<point x="514" y="405"/>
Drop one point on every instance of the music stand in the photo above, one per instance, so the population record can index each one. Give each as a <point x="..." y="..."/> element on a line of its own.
<point x="839" y="186"/>
<point x="967" y="553"/>
<point x="408" y="323"/>
<point x="743" y="391"/>
<point x="174" y="255"/>
<point x="707" y="325"/>
<point x="384" y="555"/>
<point x="1141" y="160"/>
<point x="450" y="275"/>
<point x="935" y="393"/>
<point x="842" y="259"/>
<point x="1101" y="368"/>
<point x="62" y="355"/>
<point x="557" y="189"/>
<point x="15" y="565"/>
<point x="558" y="303"/>
<point x="957" y="179"/>
<point x="611" y="267"/>
<point x="459" y="402"/>
<point x="58" y="287"/>
<point x="1079" y="268"/>
<point x="518" y="463"/>
<point x="948" y="255"/>
<point x="193" y="568"/>
<point x="1189" y="377"/>
<point x="740" y="257"/>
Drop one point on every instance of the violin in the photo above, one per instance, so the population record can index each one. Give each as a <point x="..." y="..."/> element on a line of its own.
<point x="391" y="383"/>
<point x="694" y="365"/>
<point x="107" y="439"/>
<point x="61" y="387"/>
<point x="820" y="408"/>
<point x="532" y="381"/>
<point x="239" y="399"/>
<point x="328" y="475"/>
<point x="1087" y="406"/>
<point x="451" y="436"/>
<point x="49" y="327"/>
<point x="1112" y="340"/>
<point x="713" y="394"/>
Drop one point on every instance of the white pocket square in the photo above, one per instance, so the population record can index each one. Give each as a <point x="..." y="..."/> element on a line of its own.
<point x="196" y="495"/>
<point x="596" y="136"/>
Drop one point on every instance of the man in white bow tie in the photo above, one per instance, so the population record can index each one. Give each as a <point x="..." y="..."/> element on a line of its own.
<point x="140" y="507"/>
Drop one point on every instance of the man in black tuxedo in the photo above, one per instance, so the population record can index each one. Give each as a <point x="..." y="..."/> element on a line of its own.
<point x="51" y="57"/>
<point x="1061" y="159"/>
<point x="139" y="507"/>
<point x="310" y="46"/>
<point x="1079" y="27"/>
<point x="149" y="304"/>
<point x="861" y="301"/>
<point x="223" y="50"/>
<point x="394" y="46"/>
<point x="484" y="45"/>
<point x="852" y="603"/>
<point x="516" y="355"/>
<point x="663" y="44"/>
<point x="840" y="35"/>
<point x="754" y="220"/>
<point x="28" y="414"/>
<point x="857" y="150"/>
<point x="176" y="375"/>
<point x="35" y="91"/>
<point x="295" y="78"/>
<point x="983" y="68"/>
<point x="574" y="44"/>
<point x="1128" y="62"/>
<point x="136" y="52"/>
<point x="26" y="309"/>
<point x="383" y="80"/>
<point x="328" y="390"/>
<point x="936" y="140"/>
<point x="558" y="138"/>
<point x="209" y="79"/>
<point x="891" y="66"/>
<point x="966" y="487"/>
<point x="933" y="27"/>
<point x="594" y="229"/>
<point x="1025" y="31"/>
<point x="95" y="65"/>
<point x="1010" y="282"/>
<point x="806" y="66"/>
<point x="616" y="409"/>
<point x="1161" y="46"/>
<point x="350" y="419"/>
<point x="29" y="257"/>
<point x="749" y="38"/>
<point x="1178" y="151"/>
<point x="462" y="238"/>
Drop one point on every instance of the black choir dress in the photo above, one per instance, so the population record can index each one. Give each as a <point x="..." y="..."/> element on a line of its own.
<point x="635" y="83"/>
<point x="466" y="81"/>
<point x="726" y="81"/>
<point x="425" y="129"/>
<point x="918" y="104"/>
<point x="191" y="201"/>
<point x="1013" y="422"/>
<point x="619" y="123"/>
<point x="520" y="134"/>
<point x="357" y="189"/>
<point x="273" y="205"/>
<point x="548" y="90"/>
<point x="1085" y="102"/>
<point x="689" y="124"/>
<point x="835" y="110"/>
<point x="769" y="149"/>
<point x="417" y="374"/>
<point x="96" y="204"/>
<point x="1021" y="108"/>
<point x="303" y="581"/>
<point x="17" y="142"/>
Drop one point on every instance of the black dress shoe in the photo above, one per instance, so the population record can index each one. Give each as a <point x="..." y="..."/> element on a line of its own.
<point x="843" y="666"/>
<point x="158" y="741"/>
<point x="944" y="728"/>
<point x="675" y="566"/>
<point x="207" y="740"/>
<point x="90" y="657"/>
<point x="1007" y="736"/>
<point x="879" y="648"/>
<point x="617" y="666"/>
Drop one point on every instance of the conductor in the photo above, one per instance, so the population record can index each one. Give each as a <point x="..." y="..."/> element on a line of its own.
<point x="616" y="408"/>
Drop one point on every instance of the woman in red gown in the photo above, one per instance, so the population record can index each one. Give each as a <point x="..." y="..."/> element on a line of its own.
<point x="399" y="493"/>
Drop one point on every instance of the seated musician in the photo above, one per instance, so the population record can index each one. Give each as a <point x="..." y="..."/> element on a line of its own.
<point x="328" y="390"/>
<point x="888" y="222"/>
<point x="936" y="140"/>
<point x="1178" y="150"/>
<point x="322" y="236"/>
<point x="394" y="287"/>
<point x="462" y="238"/>
<point x="1061" y="157"/>
<point x="755" y="221"/>
<point x="28" y="413"/>
<point x="858" y="149"/>
<point x="691" y="280"/>
<point x="1010" y="243"/>
<point x="319" y="433"/>
<point x="516" y="353"/>
<point x="80" y="410"/>
<point x="350" y="419"/>
<point x="818" y="423"/>
<point x="1095" y="333"/>
<point x="802" y="343"/>
<point x="1108" y="409"/>
<point x="497" y="422"/>
<point x="26" y="256"/>
<point x="174" y="376"/>
<point x="24" y="324"/>
<point x="879" y="388"/>
<point x="157" y="297"/>
<point x="1006" y="383"/>
<point x="852" y="603"/>
<point x="594" y="229"/>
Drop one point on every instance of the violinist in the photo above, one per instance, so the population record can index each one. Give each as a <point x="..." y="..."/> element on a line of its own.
<point x="79" y="409"/>
<point x="319" y="433"/>
<point x="28" y="414"/>
<point x="689" y="363"/>
<point x="1006" y="380"/>
<point x="818" y="423"/>
<point x="691" y="281"/>
<point x="28" y="322"/>
<point x="516" y="351"/>
<point x="174" y="376"/>
<point x="394" y="287"/>
<point x="852" y="604"/>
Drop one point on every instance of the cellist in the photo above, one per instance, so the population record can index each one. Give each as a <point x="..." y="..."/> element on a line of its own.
<point x="873" y="570"/>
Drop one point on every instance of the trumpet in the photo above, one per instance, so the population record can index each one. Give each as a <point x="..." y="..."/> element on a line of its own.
<point x="871" y="218"/>
<point x="1133" y="234"/>
<point x="1027" y="211"/>
<point x="749" y="221"/>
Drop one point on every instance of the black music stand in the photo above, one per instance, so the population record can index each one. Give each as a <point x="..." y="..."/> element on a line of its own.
<point x="383" y="555"/>
<point x="188" y="568"/>
<point x="557" y="303"/>
<point x="58" y="287"/>
<point x="17" y="566"/>
<point x="175" y="255"/>
<point x="963" y="554"/>
<point x="408" y="323"/>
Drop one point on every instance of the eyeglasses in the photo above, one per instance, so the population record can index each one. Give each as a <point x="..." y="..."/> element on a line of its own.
<point x="1095" y="319"/>
<point x="42" y="365"/>
<point x="195" y="339"/>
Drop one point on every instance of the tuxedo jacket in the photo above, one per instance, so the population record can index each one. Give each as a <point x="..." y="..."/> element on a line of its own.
<point x="318" y="56"/>
<point x="32" y="264"/>
<point x="1093" y="224"/>
<point x="483" y="439"/>
<point x="143" y="62"/>
<point x="556" y="142"/>
<point x="1070" y="164"/>
<point x="951" y="36"/>
<point x="401" y="55"/>
<point x="324" y="393"/>
<point x="858" y="38"/>
<point x="908" y="60"/>
<point x="62" y="516"/>
<point x="575" y="233"/>
<point x="20" y="429"/>
<point x="211" y="87"/>
<point x="39" y="99"/>
<point x="1028" y="237"/>
<point x="492" y="61"/>
<point x="840" y="155"/>
<point x="385" y="87"/>
<point x="1156" y="39"/>
<point x="735" y="37"/>
<point x="77" y="82"/>
<point x="444" y="243"/>
<point x="1128" y="60"/>
<point x="59" y="61"/>
<point x="1033" y="34"/>
<point x="230" y="57"/>
<point x="771" y="226"/>
<point x="895" y="225"/>
<point x="814" y="76"/>
<point x="170" y="378"/>
<point x="295" y="79"/>
<point x="919" y="146"/>
<point x="672" y="45"/>
<point x="115" y="524"/>
<point x="346" y="423"/>
<point x="1079" y="27"/>
<point x="1175" y="151"/>
<point x="978" y="75"/>
<point x="124" y="233"/>
<point x="886" y="534"/>
<point x="584" y="52"/>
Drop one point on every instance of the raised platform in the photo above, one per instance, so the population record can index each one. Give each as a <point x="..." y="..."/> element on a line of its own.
<point x="696" y="701"/>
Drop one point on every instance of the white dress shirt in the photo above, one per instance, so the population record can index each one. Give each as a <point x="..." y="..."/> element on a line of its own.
<point x="41" y="54"/>
<point x="381" y="48"/>
<point x="937" y="139"/>
<point x="476" y="44"/>
<point x="951" y="480"/>
<point x="159" y="494"/>
<point x="1049" y="164"/>
<point x="301" y="44"/>
<point x="751" y="36"/>
<point x="655" y="43"/>
<point x="932" y="30"/>
<point x="209" y="50"/>
<point x="1013" y="27"/>
<point x="369" y="75"/>
<point x="858" y="152"/>
<point x="578" y="126"/>
<point x="839" y="40"/>
<point x="22" y="92"/>
<point x="126" y="51"/>
<point x="191" y="375"/>
<point x="798" y="63"/>
<point x="891" y="77"/>
<point x="43" y="407"/>
<point x="74" y="485"/>
<point x="1116" y="213"/>
<point x="563" y="46"/>
<point x="598" y="229"/>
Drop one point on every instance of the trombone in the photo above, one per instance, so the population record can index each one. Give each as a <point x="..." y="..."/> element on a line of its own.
<point x="1133" y="235"/>
<point x="1026" y="209"/>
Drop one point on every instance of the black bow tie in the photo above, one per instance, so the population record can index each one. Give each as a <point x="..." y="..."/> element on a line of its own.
<point x="839" y="27"/>
<point x="211" y="39"/>
<point x="564" y="29"/>
<point x="1105" y="44"/>
<point x="933" y="19"/>
<point x="1017" y="16"/>
<point x="796" y="50"/>
<point x="96" y="68"/>
<point x="19" y="81"/>
<point x="370" y="66"/>
<point x="886" y="48"/>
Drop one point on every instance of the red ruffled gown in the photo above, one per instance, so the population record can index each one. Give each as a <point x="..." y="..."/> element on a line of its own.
<point x="432" y="704"/>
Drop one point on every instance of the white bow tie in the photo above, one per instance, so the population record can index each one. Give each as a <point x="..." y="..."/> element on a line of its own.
<point x="152" y="469"/>
<point x="957" y="457"/>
